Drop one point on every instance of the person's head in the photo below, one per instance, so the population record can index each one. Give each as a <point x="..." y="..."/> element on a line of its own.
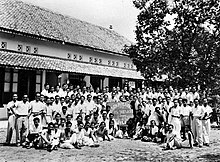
<point x="184" y="102"/>
<point x="56" y="126"/>
<point x="95" y="115"/>
<point x="87" y="118"/>
<point x="47" y="86"/>
<point x="57" y="98"/>
<point x="154" y="101"/>
<point x="102" y="125"/>
<point x="68" y="125"/>
<point x="64" y="109"/>
<point x="180" y="100"/>
<point x="69" y="117"/>
<point x="76" y="100"/>
<point x="25" y="98"/>
<point x="92" y="125"/>
<point x="57" y="116"/>
<point x="79" y="118"/>
<point x="196" y="102"/>
<point x="52" y="100"/>
<point x="89" y="97"/>
<point x="111" y="123"/>
<point x="170" y="127"/>
<point x="47" y="101"/>
<point x="80" y="125"/>
<point x="62" y="121"/>
<point x="152" y="123"/>
<point x="205" y="101"/>
<point x="36" y="121"/>
<point x="87" y="125"/>
<point x="52" y="89"/>
<point x="50" y="126"/>
<point x="82" y="98"/>
<point x="139" y="107"/>
<point x="57" y="88"/>
<point x="104" y="115"/>
<point x="37" y="96"/>
<point x="62" y="100"/>
<point x="175" y="102"/>
<point x="67" y="98"/>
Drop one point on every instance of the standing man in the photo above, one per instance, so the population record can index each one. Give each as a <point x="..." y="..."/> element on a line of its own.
<point x="206" y="127"/>
<point x="175" y="112"/>
<point x="11" y="118"/>
<point x="197" y="114"/>
<point x="21" y="124"/>
<point x="37" y="108"/>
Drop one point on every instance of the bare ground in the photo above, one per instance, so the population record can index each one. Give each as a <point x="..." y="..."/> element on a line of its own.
<point x="118" y="150"/>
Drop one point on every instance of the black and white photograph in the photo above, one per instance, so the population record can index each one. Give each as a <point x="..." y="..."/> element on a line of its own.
<point x="109" y="80"/>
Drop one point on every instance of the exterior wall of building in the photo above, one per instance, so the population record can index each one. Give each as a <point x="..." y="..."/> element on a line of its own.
<point x="81" y="54"/>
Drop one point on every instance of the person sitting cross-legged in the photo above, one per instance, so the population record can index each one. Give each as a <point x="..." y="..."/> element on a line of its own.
<point x="174" y="142"/>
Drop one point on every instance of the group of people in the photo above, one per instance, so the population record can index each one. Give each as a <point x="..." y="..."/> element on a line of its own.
<point x="68" y="117"/>
<point x="176" y="118"/>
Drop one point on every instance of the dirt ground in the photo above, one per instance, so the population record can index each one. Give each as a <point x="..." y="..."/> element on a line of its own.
<point x="117" y="150"/>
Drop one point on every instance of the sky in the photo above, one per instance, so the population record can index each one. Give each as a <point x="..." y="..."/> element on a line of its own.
<point x="121" y="14"/>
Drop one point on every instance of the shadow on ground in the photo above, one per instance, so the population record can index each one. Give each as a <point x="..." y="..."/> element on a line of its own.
<point x="210" y="157"/>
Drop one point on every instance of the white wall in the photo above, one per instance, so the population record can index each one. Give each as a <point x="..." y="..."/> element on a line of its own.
<point x="62" y="50"/>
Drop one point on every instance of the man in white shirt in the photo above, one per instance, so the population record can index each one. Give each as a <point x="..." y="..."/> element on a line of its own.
<point x="197" y="114"/>
<point x="206" y="127"/>
<point x="11" y="118"/>
<point x="45" y="90"/>
<point x="37" y="108"/>
<point x="185" y="120"/>
<point x="22" y="113"/>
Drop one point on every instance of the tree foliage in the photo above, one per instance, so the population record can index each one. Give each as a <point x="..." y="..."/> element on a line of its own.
<point x="179" y="38"/>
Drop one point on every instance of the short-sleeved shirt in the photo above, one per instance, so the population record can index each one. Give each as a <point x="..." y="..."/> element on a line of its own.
<point x="22" y="108"/>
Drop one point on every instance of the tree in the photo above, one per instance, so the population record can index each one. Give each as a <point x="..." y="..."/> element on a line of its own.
<point x="179" y="38"/>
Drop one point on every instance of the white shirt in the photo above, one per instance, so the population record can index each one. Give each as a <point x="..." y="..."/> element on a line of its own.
<point x="198" y="112"/>
<point x="22" y="108"/>
<point x="185" y="110"/>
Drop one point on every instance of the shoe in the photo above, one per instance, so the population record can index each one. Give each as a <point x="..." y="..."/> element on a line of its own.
<point x="6" y="144"/>
<point x="200" y="146"/>
<point x="195" y="144"/>
<point x="18" y="144"/>
<point x="206" y="144"/>
<point x="77" y="146"/>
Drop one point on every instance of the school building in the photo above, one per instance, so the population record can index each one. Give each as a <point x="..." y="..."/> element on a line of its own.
<point x="39" y="46"/>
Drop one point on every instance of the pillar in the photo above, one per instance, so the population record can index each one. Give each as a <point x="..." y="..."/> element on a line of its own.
<point x="43" y="79"/>
<point x="106" y="82"/>
<point x="87" y="80"/>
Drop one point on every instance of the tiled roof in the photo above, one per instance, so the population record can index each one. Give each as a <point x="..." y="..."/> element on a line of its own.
<point x="29" y="61"/>
<point x="26" y="18"/>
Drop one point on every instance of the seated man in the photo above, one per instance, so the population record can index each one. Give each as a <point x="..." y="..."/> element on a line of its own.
<point x="34" y="133"/>
<point x="173" y="142"/>
<point x="67" y="138"/>
<point x="49" y="138"/>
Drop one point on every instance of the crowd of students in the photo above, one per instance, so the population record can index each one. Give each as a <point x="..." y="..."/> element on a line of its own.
<point x="68" y="117"/>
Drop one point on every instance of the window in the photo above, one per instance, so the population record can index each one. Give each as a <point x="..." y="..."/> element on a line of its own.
<point x="132" y="66"/>
<point x="69" y="55"/>
<point x="124" y="65"/>
<point x="75" y="57"/>
<point x="100" y="61"/>
<point x="36" y="50"/>
<point x="20" y="48"/>
<point x="38" y="81"/>
<point x="28" y="49"/>
<point x="90" y="59"/>
<point x="11" y="81"/>
<point x="4" y="45"/>
<point x="109" y="62"/>
<point x="95" y="60"/>
<point x="128" y="66"/>
<point x="113" y="63"/>
<point x="116" y="63"/>
<point x="80" y="58"/>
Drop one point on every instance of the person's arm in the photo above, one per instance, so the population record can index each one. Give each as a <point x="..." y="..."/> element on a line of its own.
<point x="43" y="136"/>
